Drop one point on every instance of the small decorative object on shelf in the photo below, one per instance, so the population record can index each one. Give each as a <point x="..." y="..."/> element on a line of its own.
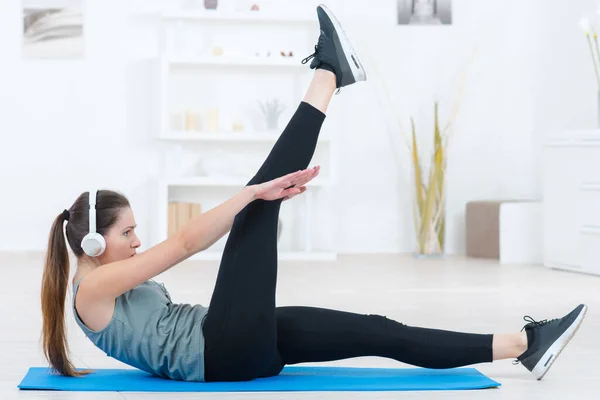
<point x="212" y="120"/>
<point x="254" y="7"/>
<point x="237" y="126"/>
<point x="192" y="121"/>
<point x="272" y="109"/>
<point x="217" y="51"/>
<point x="211" y="4"/>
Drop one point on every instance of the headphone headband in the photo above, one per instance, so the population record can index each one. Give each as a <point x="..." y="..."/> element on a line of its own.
<point x="93" y="244"/>
<point x="92" y="211"/>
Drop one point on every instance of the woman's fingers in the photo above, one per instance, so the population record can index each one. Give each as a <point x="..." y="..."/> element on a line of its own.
<point x="305" y="176"/>
<point x="308" y="177"/>
<point x="295" y="179"/>
<point x="290" y="179"/>
<point x="298" y="178"/>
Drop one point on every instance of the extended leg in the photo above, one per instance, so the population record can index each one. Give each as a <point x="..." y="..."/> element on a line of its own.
<point x="308" y="334"/>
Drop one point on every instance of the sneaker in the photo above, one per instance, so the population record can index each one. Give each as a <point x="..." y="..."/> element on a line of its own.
<point x="334" y="49"/>
<point x="549" y="338"/>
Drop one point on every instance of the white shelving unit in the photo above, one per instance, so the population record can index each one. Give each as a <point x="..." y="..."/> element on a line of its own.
<point x="176" y="183"/>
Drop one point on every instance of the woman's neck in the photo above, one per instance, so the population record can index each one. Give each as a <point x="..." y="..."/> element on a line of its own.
<point x="84" y="267"/>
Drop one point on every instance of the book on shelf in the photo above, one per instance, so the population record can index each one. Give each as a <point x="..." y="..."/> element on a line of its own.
<point x="181" y="213"/>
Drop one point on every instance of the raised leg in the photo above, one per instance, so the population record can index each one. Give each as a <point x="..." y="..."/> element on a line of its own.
<point x="240" y="329"/>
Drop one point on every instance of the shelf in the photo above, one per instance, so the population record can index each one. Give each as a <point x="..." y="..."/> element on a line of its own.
<point x="282" y="256"/>
<point x="225" y="136"/>
<point x="241" y="61"/>
<point x="260" y="17"/>
<point x="224" y="182"/>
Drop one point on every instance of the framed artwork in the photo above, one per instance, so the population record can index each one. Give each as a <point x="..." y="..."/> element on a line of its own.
<point x="52" y="29"/>
<point x="424" y="12"/>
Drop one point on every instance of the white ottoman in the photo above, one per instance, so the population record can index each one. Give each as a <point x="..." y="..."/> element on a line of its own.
<point x="521" y="232"/>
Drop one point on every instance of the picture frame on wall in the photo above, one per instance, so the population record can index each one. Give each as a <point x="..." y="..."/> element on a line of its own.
<point x="424" y="12"/>
<point x="52" y="29"/>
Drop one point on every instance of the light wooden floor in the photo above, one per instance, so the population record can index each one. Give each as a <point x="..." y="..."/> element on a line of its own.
<point x="454" y="293"/>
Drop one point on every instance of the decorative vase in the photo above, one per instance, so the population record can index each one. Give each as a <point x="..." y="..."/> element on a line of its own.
<point x="211" y="4"/>
<point x="272" y="109"/>
<point x="431" y="236"/>
<point x="430" y="220"/>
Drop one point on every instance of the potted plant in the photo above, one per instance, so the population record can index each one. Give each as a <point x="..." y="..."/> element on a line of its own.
<point x="429" y="184"/>
<point x="429" y="210"/>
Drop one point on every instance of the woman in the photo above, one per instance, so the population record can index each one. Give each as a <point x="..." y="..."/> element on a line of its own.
<point x="242" y="335"/>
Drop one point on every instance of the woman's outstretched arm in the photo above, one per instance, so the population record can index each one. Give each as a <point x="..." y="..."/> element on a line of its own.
<point x="206" y="229"/>
<point x="116" y="278"/>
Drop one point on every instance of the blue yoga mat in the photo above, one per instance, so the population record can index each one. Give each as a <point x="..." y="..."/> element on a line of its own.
<point x="292" y="378"/>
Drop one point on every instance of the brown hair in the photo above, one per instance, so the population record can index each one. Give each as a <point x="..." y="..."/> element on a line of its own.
<point x="55" y="277"/>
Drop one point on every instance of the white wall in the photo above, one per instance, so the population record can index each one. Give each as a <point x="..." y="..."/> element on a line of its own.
<point x="68" y="125"/>
<point x="92" y="120"/>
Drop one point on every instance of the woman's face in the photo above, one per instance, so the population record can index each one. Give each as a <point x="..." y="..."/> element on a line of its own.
<point x="121" y="240"/>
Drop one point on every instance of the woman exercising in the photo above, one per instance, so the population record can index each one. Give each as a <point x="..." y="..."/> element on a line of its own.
<point x="242" y="335"/>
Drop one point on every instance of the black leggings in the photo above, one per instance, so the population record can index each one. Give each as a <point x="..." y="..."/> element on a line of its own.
<point x="247" y="336"/>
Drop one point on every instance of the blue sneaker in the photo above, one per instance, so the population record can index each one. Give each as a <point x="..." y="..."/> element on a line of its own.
<point x="335" y="50"/>
<point x="549" y="338"/>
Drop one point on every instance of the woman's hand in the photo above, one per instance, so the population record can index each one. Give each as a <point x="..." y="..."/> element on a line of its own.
<point x="286" y="186"/>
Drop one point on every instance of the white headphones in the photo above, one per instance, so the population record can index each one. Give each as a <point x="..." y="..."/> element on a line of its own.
<point x="93" y="244"/>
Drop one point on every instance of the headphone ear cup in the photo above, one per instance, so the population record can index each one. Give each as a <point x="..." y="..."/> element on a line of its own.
<point x="93" y="244"/>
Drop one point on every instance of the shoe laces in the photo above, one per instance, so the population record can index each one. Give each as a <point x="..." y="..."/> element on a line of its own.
<point x="317" y="48"/>
<point x="533" y="322"/>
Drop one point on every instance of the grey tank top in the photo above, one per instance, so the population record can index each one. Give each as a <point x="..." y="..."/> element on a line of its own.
<point x="149" y="332"/>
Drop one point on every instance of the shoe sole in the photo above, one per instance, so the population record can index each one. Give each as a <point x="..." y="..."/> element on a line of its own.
<point x="356" y="67"/>
<point x="557" y="347"/>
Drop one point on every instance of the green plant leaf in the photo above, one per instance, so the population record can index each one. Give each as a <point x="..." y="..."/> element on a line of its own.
<point x="419" y="190"/>
<point x="440" y="166"/>
<point x="429" y="209"/>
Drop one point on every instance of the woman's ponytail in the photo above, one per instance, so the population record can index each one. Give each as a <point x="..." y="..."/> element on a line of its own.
<point x="54" y="290"/>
